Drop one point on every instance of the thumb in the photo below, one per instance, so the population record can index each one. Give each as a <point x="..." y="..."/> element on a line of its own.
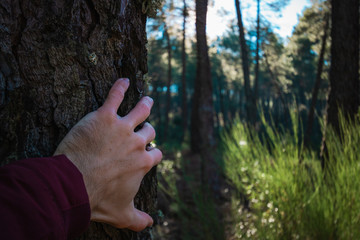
<point x="141" y="220"/>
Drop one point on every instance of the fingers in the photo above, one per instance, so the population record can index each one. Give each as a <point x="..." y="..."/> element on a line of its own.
<point x="147" y="132"/>
<point x="156" y="155"/>
<point x="116" y="95"/>
<point x="140" y="113"/>
<point x="141" y="220"/>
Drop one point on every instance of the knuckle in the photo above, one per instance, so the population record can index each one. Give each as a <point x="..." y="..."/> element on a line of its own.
<point x="145" y="108"/>
<point x="152" y="132"/>
<point x="126" y="125"/>
<point x="105" y="114"/>
<point x="108" y="118"/>
<point x="121" y="93"/>
<point x="142" y="142"/>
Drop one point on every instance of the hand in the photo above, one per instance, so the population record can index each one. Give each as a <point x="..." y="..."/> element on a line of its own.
<point x="113" y="159"/>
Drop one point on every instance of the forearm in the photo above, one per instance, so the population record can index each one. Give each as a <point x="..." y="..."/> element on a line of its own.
<point x="42" y="198"/>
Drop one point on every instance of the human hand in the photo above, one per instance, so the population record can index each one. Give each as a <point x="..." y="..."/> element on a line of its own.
<point x="113" y="158"/>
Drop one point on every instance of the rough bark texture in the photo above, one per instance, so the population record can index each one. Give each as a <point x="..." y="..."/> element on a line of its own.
<point x="344" y="70"/>
<point x="58" y="59"/>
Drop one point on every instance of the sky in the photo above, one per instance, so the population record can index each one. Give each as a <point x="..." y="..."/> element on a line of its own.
<point x="218" y="21"/>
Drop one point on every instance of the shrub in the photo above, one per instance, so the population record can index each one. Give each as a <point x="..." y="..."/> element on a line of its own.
<point x="288" y="199"/>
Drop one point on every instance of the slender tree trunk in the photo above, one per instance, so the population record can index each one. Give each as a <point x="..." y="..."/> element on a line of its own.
<point x="257" y="59"/>
<point x="58" y="59"/>
<point x="183" y="76"/>
<point x="168" y="85"/>
<point x="202" y="117"/>
<point x="344" y="70"/>
<point x="316" y="89"/>
<point x="250" y="101"/>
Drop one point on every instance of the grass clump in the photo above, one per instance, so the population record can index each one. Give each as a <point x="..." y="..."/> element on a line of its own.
<point x="290" y="200"/>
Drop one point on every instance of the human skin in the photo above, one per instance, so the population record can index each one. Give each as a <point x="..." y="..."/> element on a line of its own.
<point x="113" y="158"/>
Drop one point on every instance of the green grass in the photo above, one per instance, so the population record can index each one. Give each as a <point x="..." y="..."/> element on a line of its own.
<point x="289" y="200"/>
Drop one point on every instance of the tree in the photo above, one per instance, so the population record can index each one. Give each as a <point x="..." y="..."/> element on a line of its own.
<point x="202" y="122"/>
<point x="250" y="100"/>
<point x="183" y="76"/>
<point x="58" y="60"/>
<point x="344" y="70"/>
<point x="257" y="58"/>
<point x="316" y="88"/>
<point x="157" y="79"/>
<point x="169" y="82"/>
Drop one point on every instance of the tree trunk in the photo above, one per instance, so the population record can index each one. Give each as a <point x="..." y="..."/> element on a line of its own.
<point x="168" y="85"/>
<point x="183" y="76"/>
<point x="250" y="101"/>
<point x="257" y="58"/>
<point x="202" y="122"/>
<point x="344" y="70"/>
<point x="316" y="89"/>
<point x="58" y="59"/>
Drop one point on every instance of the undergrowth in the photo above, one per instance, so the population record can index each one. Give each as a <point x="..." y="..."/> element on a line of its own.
<point x="195" y="214"/>
<point x="286" y="199"/>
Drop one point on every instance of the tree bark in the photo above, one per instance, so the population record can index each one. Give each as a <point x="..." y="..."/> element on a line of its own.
<point x="344" y="70"/>
<point x="58" y="59"/>
<point x="183" y="76"/>
<point x="250" y="101"/>
<point x="202" y="122"/>
<point x="257" y="58"/>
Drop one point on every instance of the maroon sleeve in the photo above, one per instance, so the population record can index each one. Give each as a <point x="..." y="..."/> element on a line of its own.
<point x="42" y="198"/>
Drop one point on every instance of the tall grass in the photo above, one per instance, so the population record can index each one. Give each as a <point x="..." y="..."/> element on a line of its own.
<point x="288" y="199"/>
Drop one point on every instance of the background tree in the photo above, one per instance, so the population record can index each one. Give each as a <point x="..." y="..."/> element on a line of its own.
<point x="202" y="122"/>
<point x="316" y="88"/>
<point x="183" y="74"/>
<point x="169" y="82"/>
<point x="58" y="60"/>
<point x="344" y="71"/>
<point x="250" y="100"/>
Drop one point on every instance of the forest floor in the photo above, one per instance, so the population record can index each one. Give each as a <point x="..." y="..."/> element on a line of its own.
<point x="175" y="221"/>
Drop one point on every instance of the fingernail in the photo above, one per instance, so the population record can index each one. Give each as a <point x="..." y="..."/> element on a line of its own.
<point x="151" y="101"/>
<point x="126" y="80"/>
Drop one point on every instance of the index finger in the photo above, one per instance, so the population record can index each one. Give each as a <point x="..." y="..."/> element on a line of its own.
<point x="116" y="95"/>
<point x="140" y="112"/>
